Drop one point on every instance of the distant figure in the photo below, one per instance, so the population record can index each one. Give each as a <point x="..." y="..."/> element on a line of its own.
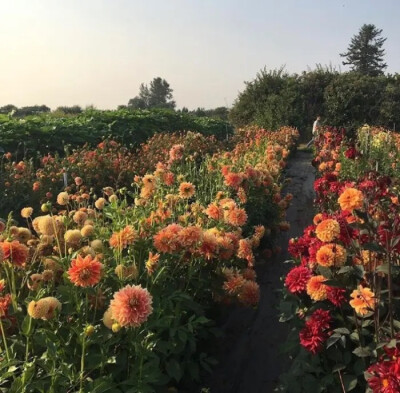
<point x="315" y="128"/>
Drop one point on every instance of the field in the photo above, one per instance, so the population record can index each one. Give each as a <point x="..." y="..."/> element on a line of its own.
<point x="118" y="260"/>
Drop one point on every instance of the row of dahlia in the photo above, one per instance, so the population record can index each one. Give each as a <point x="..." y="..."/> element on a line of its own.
<point x="342" y="296"/>
<point x="112" y="291"/>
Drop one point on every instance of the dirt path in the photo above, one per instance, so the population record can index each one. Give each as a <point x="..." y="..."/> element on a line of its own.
<point x="250" y="361"/>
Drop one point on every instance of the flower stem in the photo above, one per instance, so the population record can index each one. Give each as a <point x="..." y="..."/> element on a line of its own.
<point x="4" y="339"/>
<point x="82" y="364"/>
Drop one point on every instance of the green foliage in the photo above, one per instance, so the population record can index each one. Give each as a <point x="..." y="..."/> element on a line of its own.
<point x="158" y="95"/>
<point x="69" y="110"/>
<point x="50" y="133"/>
<point x="365" y="53"/>
<point x="344" y="99"/>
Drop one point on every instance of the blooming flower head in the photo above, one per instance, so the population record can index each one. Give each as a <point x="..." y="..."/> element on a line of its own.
<point x="149" y="180"/>
<point x="53" y="304"/>
<point x="233" y="179"/>
<point x="363" y="300"/>
<point x="73" y="236"/>
<point x="131" y="306"/>
<point x="152" y="263"/>
<point x="331" y="255"/>
<point x="245" y="251"/>
<point x="297" y="279"/>
<point x="166" y="239"/>
<point x="214" y="211"/>
<point x="316" y="288"/>
<point x="313" y="335"/>
<point x="249" y="293"/>
<point x="209" y="245"/>
<point x="85" y="272"/>
<point x="186" y="190"/>
<point x="318" y="218"/>
<point x="100" y="203"/>
<point x="63" y="198"/>
<point x="176" y="152"/>
<point x="26" y="212"/>
<point x="15" y="252"/>
<point x="38" y="309"/>
<point x="190" y="236"/>
<point x="336" y="295"/>
<point x="5" y="302"/>
<point x="384" y="376"/>
<point x="120" y="240"/>
<point x="351" y="199"/>
<point x="47" y="225"/>
<point x="327" y="230"/>
<point x="233" y="284"/>
<point x="236" y="217"/>
<point x="107" y="318"/>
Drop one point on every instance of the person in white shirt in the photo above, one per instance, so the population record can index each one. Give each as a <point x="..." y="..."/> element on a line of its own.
<point x="315" y="128"/>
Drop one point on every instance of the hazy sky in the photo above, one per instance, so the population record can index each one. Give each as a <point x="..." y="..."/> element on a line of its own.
<point x="66" y="52"/>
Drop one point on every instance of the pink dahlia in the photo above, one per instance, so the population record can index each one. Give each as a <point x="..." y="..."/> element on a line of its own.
<point x="131" y="305"/>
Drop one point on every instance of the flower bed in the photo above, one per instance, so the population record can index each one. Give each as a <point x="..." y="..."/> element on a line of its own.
<point x="110" y="292"/>
<point x="342" y="296"/>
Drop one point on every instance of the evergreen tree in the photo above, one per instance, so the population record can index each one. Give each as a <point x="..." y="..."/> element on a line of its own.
<point x="365" y="52"/>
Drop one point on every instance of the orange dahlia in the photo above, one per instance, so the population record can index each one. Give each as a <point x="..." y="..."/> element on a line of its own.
<point x="214" y="211"/>
<point x="209" y="245"/>
<point x="233" y="179"/>
<point x="351" y="199"/>
<point x="123" y="238"/>
<point x="331" y="255"/>
<point x="166" y="239"/>
<point x="363" y="300"/>
<point x="233" y="284"/>
<point x="316" y="288"/>
<point x="85" y="272"/>
<point x="327" y="230"/>
<point x="190" y="236"/>
<point x="318" y="218"/>
<point x="15" y="252"/>
<point x="151" y="263"/>
<point x="186" y="190"/>
<point x="249" y="293"/>
<point x="245" y="251"/>
<point x="236" y="217"/>
<point x="131" y="306"/>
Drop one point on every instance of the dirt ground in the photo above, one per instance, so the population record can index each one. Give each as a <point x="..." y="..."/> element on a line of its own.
<point x="249" y="360"/>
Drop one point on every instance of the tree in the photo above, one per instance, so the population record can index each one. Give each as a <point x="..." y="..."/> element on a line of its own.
<point x="6" y="109"/>
<point x="158" y="95"/>
<point x="365" y="52"/>
<point x="69" y="110"/>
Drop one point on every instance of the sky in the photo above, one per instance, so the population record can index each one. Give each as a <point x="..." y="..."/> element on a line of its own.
<point x="98" y="52"/>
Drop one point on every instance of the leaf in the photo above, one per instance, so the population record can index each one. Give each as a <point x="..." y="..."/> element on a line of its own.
<point x="174" y="370"/>
<point x="333" y="339"/>
<point x="325" y="271"/>
<point x="342" y="330"/>
<point x="338" y="367"/>
<point x="349" y="382"/>
<point x="26" y="326"/>
<point x="345" y="269"/>
<point x="362" y="352"/>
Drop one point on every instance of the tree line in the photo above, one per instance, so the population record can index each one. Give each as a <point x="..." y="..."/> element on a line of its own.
<point x="362" y="95"/>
